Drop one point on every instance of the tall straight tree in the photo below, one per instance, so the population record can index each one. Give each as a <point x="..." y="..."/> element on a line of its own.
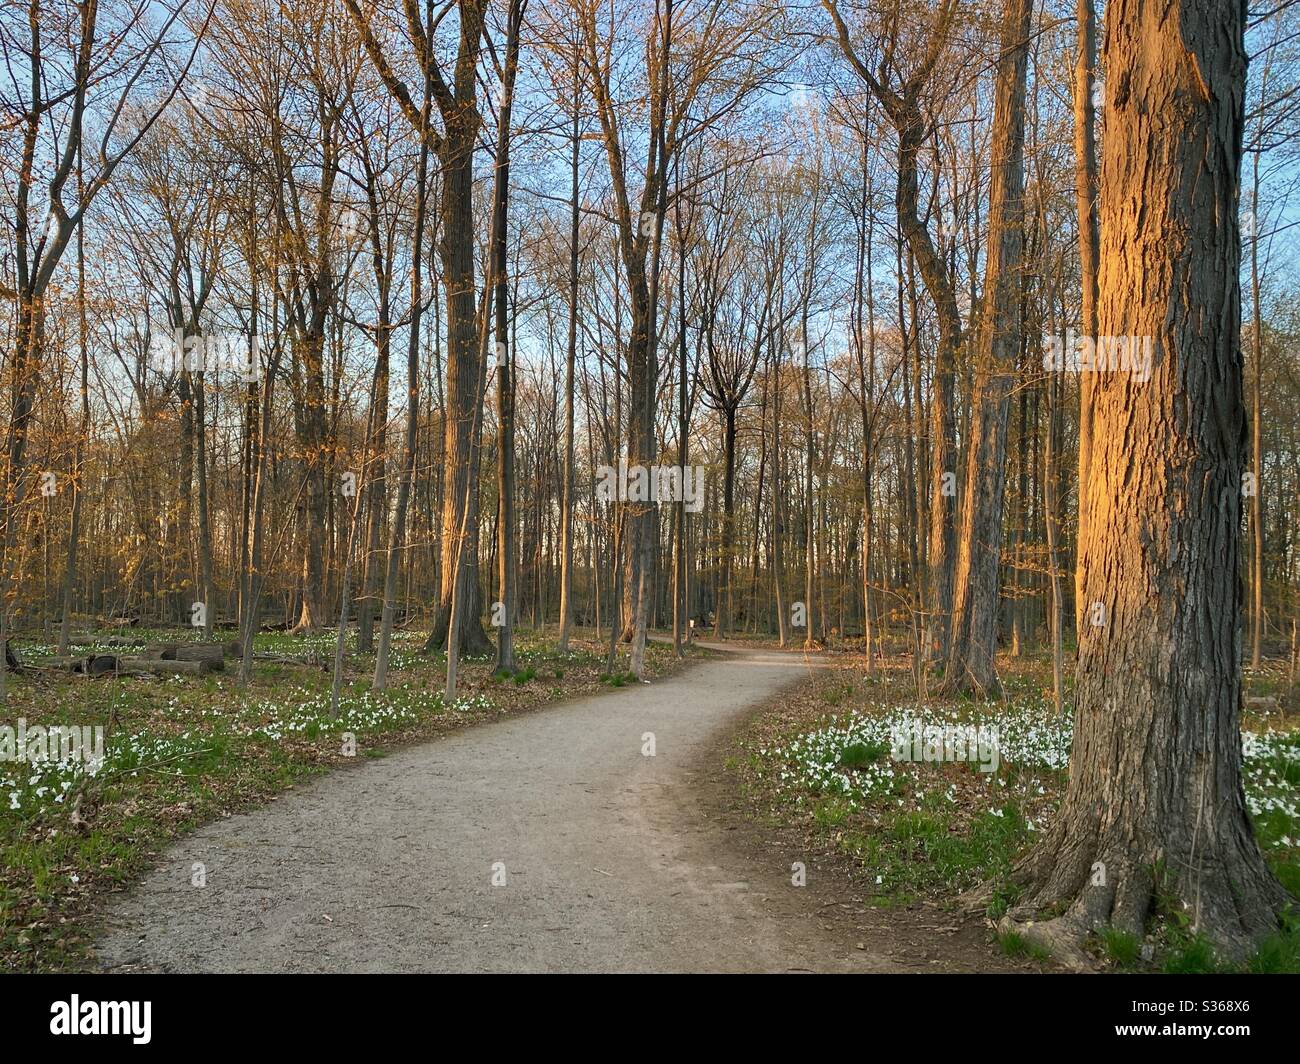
<point x="454" y="146"/>
<point x="508" y="575"/>
<point x="900" y="93"/>
<point x="570" y="360"/>
<point x="396" y="536"/>
<point x="976" y="598"/>
<point x="1154" y="806"/>
<point x="494" y="291"/>
<point x="639" y="228"/>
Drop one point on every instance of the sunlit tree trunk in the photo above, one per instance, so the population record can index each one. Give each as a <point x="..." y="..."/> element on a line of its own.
<point x="1086" y="89"/>
<point x="1155" y="804"/>
<point x="977" y="596"/>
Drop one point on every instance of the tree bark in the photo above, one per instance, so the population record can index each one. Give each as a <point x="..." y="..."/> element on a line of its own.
<point x="1085" y="195"/>
<point x="1155" y="802"/>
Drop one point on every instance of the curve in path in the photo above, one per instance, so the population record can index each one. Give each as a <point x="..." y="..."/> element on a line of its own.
<point x="611" y="861"/>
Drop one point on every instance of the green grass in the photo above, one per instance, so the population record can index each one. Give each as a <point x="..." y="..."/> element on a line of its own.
<point x="931" y="830"/>
<point x="183" y="751"/>
<point x="1192" y="957"/>
<point x="856" y="755"/>
<point x="1014" y="944"/>
<point x="1122" y="949"/>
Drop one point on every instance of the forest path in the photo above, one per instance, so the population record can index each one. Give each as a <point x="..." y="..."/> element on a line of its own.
<point x="613" y="860"/>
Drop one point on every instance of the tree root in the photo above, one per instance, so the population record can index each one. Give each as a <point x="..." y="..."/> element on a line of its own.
<point x="1069" y="894"/>
<point x="1061" y="938"/>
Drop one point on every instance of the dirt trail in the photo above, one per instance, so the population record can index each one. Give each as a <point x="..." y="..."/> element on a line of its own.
<point x="613" y="860"/>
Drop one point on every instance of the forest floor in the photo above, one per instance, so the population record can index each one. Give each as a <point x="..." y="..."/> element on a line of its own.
<point x="182" y="752"/>
<point x="816" y="768"/>
<point x="741" y="813"/>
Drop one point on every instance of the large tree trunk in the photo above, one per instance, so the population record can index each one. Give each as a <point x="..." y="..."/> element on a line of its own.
<point x="464" y="360"/>
<point x="1155" y="800"/>
<point x="458" y="547"/>
<point x="976" y="599"/>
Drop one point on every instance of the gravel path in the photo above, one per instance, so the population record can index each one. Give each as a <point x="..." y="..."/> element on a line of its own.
<point x="611" y="860"/>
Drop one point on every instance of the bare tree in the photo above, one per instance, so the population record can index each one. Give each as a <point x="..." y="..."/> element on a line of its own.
<point x="52" y="119"/>
<point x="900" y="91"/>
<point x="454" y="146"/>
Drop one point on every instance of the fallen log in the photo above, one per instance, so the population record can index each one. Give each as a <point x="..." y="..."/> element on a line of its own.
<point x="100" y="664"/>
<point x="211" y="654"/>
<point x="164" y="667"/>
<point x="120" y="665"/>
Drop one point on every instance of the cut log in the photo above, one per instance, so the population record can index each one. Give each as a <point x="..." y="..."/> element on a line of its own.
<point x="211" y="654"/>
<point x="122" y="665"/>
<point x="165" y="667"/>
<point x="101" y="664"/>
